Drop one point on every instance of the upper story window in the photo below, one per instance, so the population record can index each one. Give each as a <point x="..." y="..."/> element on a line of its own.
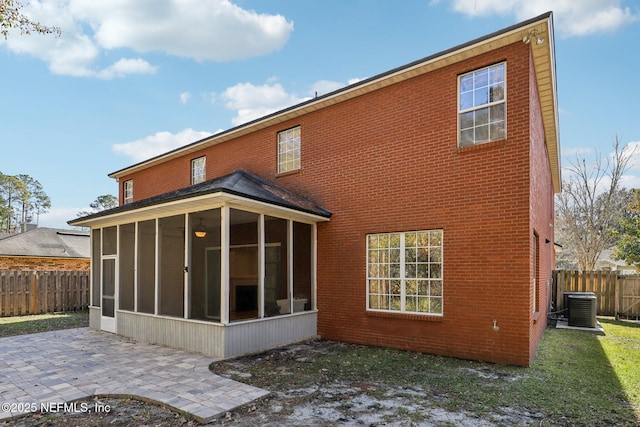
<point x="198" y="170"/>
<point x="289" y="150"/>
<point x="481" y="106"/>
<point x="404" y="272"/>
<point x="128" y="191"/>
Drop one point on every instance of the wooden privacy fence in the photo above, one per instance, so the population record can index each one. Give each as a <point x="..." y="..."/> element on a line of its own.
<point x="37" y="292"/>
<point x="617" y="295"/>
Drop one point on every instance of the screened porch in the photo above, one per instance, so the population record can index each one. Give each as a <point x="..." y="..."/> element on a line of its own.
<point x="215" y="272"/>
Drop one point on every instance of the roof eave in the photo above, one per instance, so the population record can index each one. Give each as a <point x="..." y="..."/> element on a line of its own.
<point x="182" y="205"/>
<point x="450" y="56"/>
<point x="545" y="66"/>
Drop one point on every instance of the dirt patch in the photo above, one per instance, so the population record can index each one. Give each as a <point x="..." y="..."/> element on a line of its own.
<point x="113" y="412"/>
<point x="321" y="383"/>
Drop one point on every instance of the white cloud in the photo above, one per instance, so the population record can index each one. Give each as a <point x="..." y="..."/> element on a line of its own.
<point x="631" y="178"/>
<point x="634" y="164"/>
<point x="251" y="102"/>
<point x="254" y="101"/>
<point x="355" y="80"/>
<point x="71" y="54"/>
<point x="322" y="87"/>
<point x="127" y="66"/>
<point x="630" y="181"/>
<point x="204" y="30"/>
<point x="201" y="30"/>
<point x="184" y="97"/>
<point x="158" y="143"/>
<point x="573" y="18"/>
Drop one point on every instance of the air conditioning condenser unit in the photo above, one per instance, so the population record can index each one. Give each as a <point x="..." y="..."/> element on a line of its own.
<point x="582" y="310"/>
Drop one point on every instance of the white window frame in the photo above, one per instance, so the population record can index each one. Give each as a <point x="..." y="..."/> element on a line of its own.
<point x="380" y="270"/>
<point x="289" y="158"/>
<point x="127" y="190"/>
<point x="198" y="171"/>
<point x="492" y="125"/>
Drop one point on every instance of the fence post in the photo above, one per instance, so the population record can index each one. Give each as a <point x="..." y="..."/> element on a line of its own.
<point x="33" y="294"/>
<point x="58" y="293"/>
<point x="611" y="291"/>
<point x="13" y="299"/>
<point x="2" y="304"/>
<point x="551" y="299"/>
<point x="617" y="297"/>
<point x="558" y="286"/>
<point x="64" y="286"/>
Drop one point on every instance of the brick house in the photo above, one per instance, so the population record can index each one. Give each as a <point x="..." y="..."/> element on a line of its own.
<point x="47" y="249"/>
<point x="413" y="210"/>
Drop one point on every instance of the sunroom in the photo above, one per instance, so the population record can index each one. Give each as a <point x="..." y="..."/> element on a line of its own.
<point x="223" y="268"/>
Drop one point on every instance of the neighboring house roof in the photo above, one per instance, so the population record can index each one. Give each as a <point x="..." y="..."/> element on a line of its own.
<point x="47" y="242"/>
<point x="606" y="260"/>
<point x="540" y="27"/>
<point x="238" y="183"/>
<point x="4" y="235"/>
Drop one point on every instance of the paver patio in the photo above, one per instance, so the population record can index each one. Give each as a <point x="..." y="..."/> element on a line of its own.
<point x="53" y="368"/>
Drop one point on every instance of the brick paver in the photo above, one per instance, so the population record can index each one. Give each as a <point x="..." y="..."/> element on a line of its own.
<point x="62" y="366"/>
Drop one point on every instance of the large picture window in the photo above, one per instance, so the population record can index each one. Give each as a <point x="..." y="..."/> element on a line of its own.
<point x="482" y="105"/>
<point x="404" y="272"/>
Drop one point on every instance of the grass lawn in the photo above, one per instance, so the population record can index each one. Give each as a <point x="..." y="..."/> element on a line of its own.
<point x="577" y="378"/>
<point x="586" y="379"/>
<point x="622" y="347"/>
<point x="20" y="325"/>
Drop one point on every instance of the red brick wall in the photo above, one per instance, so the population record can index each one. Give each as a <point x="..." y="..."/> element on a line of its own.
<point x="542" y="215"/>
<point x="388" y="161"/>
<point x="43" y="264"/>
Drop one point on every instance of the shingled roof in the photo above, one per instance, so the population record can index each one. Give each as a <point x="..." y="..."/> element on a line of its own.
<point x="239" y="183"/>
<point x="47" y="242"/>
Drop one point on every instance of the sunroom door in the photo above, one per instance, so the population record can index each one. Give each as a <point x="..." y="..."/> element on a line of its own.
<point x="109" y="301"/>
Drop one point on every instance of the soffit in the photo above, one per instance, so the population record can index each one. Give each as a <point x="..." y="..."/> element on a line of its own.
<point x="544" y="62"/>
<point x="545" y="68"/>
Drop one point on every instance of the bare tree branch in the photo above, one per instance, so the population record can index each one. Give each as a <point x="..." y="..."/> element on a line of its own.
<point x="12" y="17"/>
<point x="592" y="202"/>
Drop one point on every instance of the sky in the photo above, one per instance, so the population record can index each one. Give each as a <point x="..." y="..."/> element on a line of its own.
<point x="130" y="79"/>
